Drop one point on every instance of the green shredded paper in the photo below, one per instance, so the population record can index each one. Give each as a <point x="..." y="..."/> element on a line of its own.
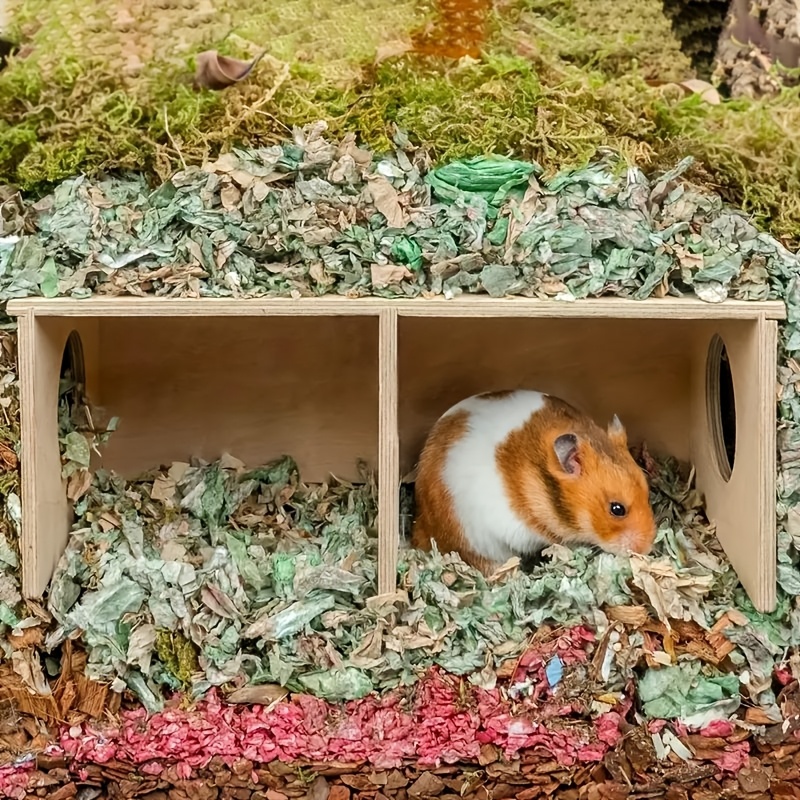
<point x="215" y="574"/>
<point x="313" y="217"/>
<point x="226" y="573"/>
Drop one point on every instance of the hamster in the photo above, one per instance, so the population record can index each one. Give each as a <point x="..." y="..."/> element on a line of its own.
<point x="505" y="474"/>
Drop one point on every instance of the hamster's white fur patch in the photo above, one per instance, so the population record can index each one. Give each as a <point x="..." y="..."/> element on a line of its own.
<point x="481" y="503"/>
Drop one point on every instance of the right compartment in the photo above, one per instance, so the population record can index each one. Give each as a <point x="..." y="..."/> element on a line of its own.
<point x="702" y="390"/>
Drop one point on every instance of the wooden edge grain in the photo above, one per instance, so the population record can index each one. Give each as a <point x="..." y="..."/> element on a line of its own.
<point x="196" y="307"/>
<point x="677" y="308"/>
<point x="388" y="456"/>
<point x="768" y="354"/>
<point x="462" y="306"/>
<point x="26" y="345"/>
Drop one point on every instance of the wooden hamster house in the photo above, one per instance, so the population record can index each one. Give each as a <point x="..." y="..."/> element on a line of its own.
<point x="331" y="380"/>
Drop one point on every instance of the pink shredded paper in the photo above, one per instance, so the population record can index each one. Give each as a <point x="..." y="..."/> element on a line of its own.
<point x="432" y="727"/>
<point x="442" y="720"/>
<point x="14" y="779"/>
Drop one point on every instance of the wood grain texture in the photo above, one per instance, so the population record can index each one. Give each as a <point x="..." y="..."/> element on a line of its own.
<point x="322" y="379"/>
<point x="26" y="359"/>
<point x="637" y="369"/>
<point x="469" y="306"/>
<point x="766" y="593"/>
<point x="743" y="507"/>
<point x="388" y="458"/>
<point x="46" y="513"/>
<point x="255" y="388"/>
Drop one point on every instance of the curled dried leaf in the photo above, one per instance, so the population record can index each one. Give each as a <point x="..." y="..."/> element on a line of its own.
<point x="707" y="92"/>
<point x="8" y="458"/>
<point x="215" y="71"/>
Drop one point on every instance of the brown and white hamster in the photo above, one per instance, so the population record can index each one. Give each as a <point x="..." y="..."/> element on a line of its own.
<point x="505" y="474"/>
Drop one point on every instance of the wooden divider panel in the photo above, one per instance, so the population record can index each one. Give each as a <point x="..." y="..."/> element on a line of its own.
<point x="388" y="457"/>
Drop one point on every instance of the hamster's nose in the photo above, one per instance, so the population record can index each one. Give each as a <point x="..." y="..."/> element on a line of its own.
<point x="644" y="547"/>
<point x="642" y="543"/>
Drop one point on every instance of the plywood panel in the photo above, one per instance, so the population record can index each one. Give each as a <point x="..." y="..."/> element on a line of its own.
<point x="46" y="514"/>
<point x="673" y="308"/>
<point x="665" y="308"/>
<point x="259" y="378"/>
<point x="388" y="473"/>
<point x="742" y="508"/>
<point x="638" y="369"/>
<point x="254" y="387"/>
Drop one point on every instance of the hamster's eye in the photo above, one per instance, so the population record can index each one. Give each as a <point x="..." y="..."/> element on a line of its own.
<point x="617" y="509"/>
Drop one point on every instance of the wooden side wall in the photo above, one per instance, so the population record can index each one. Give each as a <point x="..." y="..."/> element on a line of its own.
<point x="743" y="508"/>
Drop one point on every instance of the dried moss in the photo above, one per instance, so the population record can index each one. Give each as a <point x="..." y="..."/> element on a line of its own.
<point x="619" y="38"/>
<point x="749" y="150"/>
<point x="178" y="655"/>
<point x="558" y="81"/>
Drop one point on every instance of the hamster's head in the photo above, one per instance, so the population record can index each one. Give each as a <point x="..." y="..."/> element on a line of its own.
<point x="603" y="489"/>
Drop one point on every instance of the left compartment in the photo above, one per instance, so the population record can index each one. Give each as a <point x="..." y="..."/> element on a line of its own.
<point x="192" y="379"/>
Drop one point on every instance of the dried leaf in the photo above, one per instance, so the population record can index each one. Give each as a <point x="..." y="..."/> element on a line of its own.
<point x="386" y="200"/>
<point x="707" y="92"/>
<point x="264" y="694"/>
<point x="216" y="71"/>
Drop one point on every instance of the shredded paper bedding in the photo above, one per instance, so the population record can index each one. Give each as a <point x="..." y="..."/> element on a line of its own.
<point x="221" y="580"/>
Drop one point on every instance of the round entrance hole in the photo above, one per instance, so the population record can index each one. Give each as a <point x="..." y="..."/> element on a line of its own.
<point x="721" y="406"/>
<point x="72" y="379"/>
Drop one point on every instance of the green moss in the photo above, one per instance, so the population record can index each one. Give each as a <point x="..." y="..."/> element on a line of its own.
<point x="618" y="38"/>
<point x="83" y="120"/>
<point x="335" y="37"/>
<point x="558" y="81"/>
<point x="501" y="105"/>
<point x="557" y="113"/>
<point x="747" y="150"/>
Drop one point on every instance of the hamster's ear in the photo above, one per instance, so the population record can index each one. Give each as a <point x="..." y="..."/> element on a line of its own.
<point x="566" y="447"/>
<point x="616" y="432"/>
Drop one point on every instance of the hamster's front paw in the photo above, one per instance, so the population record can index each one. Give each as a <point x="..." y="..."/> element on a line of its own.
<point x="529" y="561"/>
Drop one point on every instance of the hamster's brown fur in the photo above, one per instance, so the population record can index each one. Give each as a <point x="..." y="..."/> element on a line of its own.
<point x="560" y="506"/>
<point x="435" y="518"/>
